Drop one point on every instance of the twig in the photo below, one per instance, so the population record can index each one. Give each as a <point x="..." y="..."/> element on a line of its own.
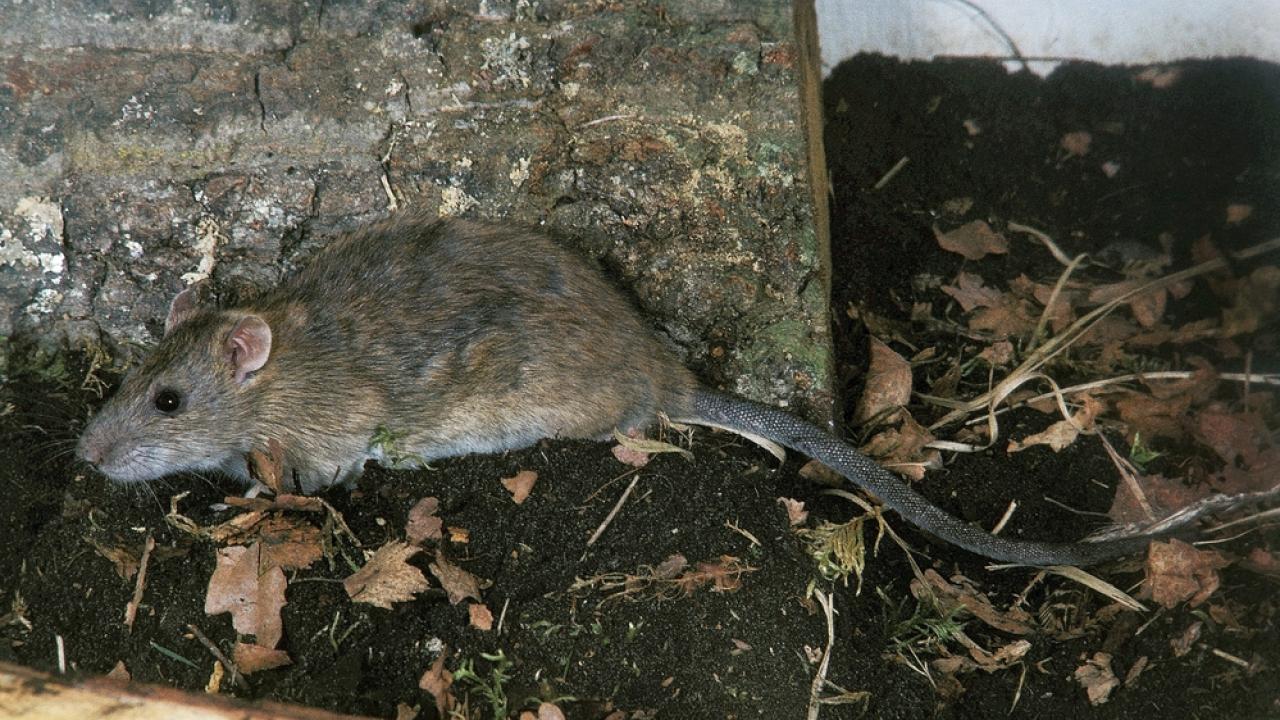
<point x="605" y="119"/>
<point x="888" y="176"/>
<point x="752" y="538"/>
<point x="131" y="610"/>
<point x="237" y="678"/>
<point x="1047" y="241"/>
<point x="1004" y="519"/>
<point x="616" y="507"/>
<point x="820" y="677"/>
<point x="502" y="616"/>
<point x="1231" y="658"/>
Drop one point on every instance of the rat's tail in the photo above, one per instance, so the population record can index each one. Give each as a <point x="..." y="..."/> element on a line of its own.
<point x="753" y="419"/>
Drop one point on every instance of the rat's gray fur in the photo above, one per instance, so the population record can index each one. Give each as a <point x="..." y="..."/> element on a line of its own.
<point x="451" y="337"/>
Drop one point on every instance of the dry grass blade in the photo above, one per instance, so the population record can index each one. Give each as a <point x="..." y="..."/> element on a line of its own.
<point x="1046" y="352"/>
<point x="1093" y="582"/>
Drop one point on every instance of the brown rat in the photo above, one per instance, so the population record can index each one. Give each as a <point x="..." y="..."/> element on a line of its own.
<point x="455" y="337"/>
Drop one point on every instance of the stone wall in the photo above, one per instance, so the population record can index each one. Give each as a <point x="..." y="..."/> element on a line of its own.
<point x="149" y="144"/>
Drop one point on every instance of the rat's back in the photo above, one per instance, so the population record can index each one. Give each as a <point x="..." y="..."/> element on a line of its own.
<point x="460" y="337"/>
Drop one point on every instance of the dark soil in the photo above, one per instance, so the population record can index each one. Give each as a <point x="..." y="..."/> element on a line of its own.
<point x="1185" y="153"/>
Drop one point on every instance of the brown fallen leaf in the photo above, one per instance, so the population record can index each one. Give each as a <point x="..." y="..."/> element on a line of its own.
<point x="437" y="681"/>
<point x="1097" y="678"/>
<point x="671" y="567"/>
<point x="1238" y="213"/>
<point x="796" y="514"/>
<point x="120" y="672"/>
<point x="1076" y="143"/>
<point x="1063" y="433"/>
<point x="404" y="711"/>
<point x="254" y="596"/>
<point x="521" y="484"/>
<point x="267" y="466"/>
<point x="423" y="523"/>
<point x="888" y="384"/>
<point x="647" y="446"/>
<point x="1163" y="495"/>
<point x="124" y="559"/>
<point x="902" y="449"/>
<point x="1255" y="303"/>
<point x="1182" y="644"/>
<point x="387" y="577"/>
<point x="547" y="711"/>
<point x="1178" y="572"/>
<point x="481" y="617"/>
<point x="815" y="471"/>
<point x="457" y="583"/>
<point x="962" y="592"/>
<point x="973" y="240"/>
<point x="1159" y="77"/>
<point x="289" y="542"/>
<point x="250" y="658"/>
<point x="1131" y="677"/>
<point x="970" y="292"/>
<point x="1261" y="561"/>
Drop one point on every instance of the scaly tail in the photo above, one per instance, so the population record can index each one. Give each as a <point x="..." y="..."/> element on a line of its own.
<point x="751" y="418"/>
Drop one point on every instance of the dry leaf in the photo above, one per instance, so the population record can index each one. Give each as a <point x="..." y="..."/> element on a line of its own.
<point x="739" y="646"/>
<point x="651" y="447"/>
<point x="480" y="616"/>
<point x="1015" y="620"/>
<point x="903" y="449"/>
<point x="457" y="583"/>
<point x="1163" y="495"/>
<point x="290" y="542"/>
<point x="671" y="567"/>
<point x="268" y="467"/>
<point x="1000" y="353"/>
<point x="796" y="514"/>
<point x="120" y="672"/>
<point x="1139" y="665"/>
<point x="817" y="472"/>
<point x="974" y="240"/>
<point x="1076" y="143"/>
<point x="437" y="680"/>
<point x="970" y="293"/>
<point x="253" y="596"/>
<point x="521" y="484"/>
<point x="124" y="559"/>
<point x="1255" y="304"/>
<point x="957" y="206"/>
<point x="1097" y="678"/>
<point x="459" y="535"/>
<point x="627" y="456"/>
<point x="1159" y="77"/>
<point x="1178" y="572"/>
<point x="405" y="711"/>
<point x="888" y="384"/>
<point x="387" y="577"/>
<point x="423" y="523"/>
<point x="1063" y="433"/>
<point x="547" y="711"/>
<point x="250" y="658"/>
<point x="1183" y="643"/>
<point x="1238" y="213"/>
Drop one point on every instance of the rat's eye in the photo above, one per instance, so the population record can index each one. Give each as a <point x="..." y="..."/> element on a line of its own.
<point x="168" y="401"/>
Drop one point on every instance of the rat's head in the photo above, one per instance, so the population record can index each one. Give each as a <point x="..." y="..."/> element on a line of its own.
<point x="189" y="405"/>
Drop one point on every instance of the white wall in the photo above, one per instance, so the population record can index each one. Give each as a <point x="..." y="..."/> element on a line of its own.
<point x="1107" y="31"/>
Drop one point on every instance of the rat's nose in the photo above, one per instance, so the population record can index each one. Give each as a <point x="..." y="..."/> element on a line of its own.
<point x="90" y="451"/>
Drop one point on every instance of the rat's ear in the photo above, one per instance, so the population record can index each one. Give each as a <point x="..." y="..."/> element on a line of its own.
<point x="248" y="345"/>
<point x="182" y="307"/>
